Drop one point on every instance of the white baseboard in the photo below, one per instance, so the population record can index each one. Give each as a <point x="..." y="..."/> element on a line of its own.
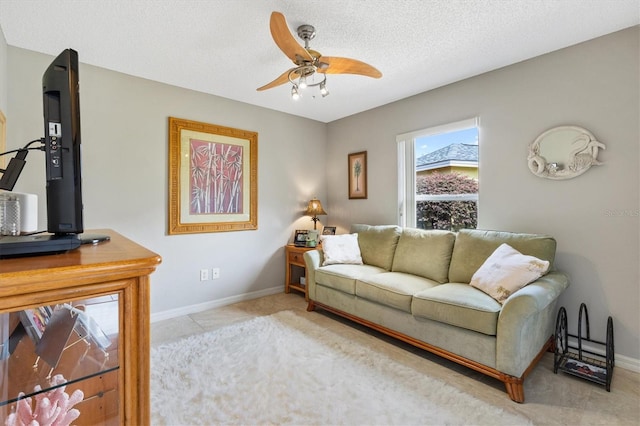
<point x="192" y="309"/>
<point x="628" y="363"/>
<point x="622" y="361"/>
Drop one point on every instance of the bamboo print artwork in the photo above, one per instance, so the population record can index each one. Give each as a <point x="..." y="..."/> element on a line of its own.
<point x="215" y="178"/>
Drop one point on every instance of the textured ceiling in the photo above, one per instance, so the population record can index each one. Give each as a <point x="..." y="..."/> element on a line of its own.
<point x="224" y="47"/>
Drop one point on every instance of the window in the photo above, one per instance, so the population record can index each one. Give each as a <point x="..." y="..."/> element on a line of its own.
<point x="438" y="176"/>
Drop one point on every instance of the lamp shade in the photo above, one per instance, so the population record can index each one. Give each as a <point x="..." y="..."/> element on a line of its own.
<point x="315" y="208"/>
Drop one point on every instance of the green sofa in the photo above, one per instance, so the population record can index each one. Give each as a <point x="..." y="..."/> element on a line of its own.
<point x="414" y="285"/>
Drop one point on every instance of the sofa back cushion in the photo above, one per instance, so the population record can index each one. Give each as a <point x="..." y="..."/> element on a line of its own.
<point x="426" y="253"/>
<point x="377" y="243"/>
<point x="474" y="246"/>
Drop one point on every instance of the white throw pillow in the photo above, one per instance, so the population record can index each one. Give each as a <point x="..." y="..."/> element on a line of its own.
<point x="507" y="271"/>
<point x="342" y="248"/>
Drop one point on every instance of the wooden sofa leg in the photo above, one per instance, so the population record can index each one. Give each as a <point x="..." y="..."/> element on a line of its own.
<point x="515" y="389"/>
<point x="311" y="306"/>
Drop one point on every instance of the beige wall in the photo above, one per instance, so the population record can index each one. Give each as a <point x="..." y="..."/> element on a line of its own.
<point x="125" y="176"/>
<point x="3" y="73"/>
<point x="594" y="217"/>
<point x="3" y="99"/>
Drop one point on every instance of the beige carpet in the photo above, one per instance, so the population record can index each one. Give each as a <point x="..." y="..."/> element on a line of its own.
<point x="284" y="369"/>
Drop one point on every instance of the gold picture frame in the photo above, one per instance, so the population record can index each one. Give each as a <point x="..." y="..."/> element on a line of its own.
<point x="3" y="138"/>
<point x="213" y="178"/>
<point x="358" y="175"/>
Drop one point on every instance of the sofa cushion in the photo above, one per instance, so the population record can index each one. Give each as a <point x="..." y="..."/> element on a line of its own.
<point x="426" y="253"/>
<point x="377" y="243"/>
<point x="507" y="271"/>
<point x="460" y="305"/>
<point x="343" y="277"/>
<point x="341" y="249"/>
<point x="394" y="289"/>
<point x="473" y="247"/>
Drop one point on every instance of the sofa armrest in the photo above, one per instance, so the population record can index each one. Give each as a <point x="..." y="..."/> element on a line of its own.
<point x="312" y="259"/>
<point x="526" y="322"/>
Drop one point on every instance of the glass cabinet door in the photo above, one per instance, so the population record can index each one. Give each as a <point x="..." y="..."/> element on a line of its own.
<point x="66" y="353"/>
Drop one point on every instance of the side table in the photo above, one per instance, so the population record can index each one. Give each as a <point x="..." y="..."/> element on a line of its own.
<point x="296" y="269"/>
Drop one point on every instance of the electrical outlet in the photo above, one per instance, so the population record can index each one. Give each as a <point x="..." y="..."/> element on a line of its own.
<point x="204" y="274"/>
<point x="215" y="273"/>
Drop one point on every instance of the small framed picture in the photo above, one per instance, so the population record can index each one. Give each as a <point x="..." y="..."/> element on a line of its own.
<point x="312" y="238"/>
<point x="358" y="175"/>
<point x="300" y="238"/>
<point x="35" y="321"/>
<point x="329" y="230"/>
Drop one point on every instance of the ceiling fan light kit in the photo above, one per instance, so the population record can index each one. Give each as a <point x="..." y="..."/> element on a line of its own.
<point x="298" y="79"/>
<point x="309" y="63"/>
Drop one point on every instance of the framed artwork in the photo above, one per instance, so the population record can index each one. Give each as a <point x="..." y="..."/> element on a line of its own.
<point x="312" y="238"/>
<point x="35" y="321"/>
<point x="213" y="178"/>
<point x="300" y="237"/>
<point x="329" y="230"/>
<point x="358" y="175"/>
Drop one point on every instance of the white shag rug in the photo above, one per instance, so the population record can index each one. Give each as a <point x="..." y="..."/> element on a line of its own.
<point x="284" y="369"/>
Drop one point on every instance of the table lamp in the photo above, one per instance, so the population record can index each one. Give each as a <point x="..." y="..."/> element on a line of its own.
<point x="314" y="209"/>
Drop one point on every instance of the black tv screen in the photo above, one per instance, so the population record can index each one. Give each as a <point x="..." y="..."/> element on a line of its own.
<point x="61" y="105"/>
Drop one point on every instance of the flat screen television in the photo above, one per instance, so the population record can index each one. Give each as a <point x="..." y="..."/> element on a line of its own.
<point x="61" y="106"/>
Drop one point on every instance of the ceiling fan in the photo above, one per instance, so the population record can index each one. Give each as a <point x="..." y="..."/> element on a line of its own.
<point x="307" y="61"/>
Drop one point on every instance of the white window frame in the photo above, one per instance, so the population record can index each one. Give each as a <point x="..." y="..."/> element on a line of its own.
<point x="407" y="169"/>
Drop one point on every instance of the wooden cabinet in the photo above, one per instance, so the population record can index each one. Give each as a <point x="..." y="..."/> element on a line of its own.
<point x="110" y="279"/>
<point x="296" y="269"/>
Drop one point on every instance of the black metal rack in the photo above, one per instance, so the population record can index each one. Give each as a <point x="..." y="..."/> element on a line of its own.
<point x="594" y="364"/>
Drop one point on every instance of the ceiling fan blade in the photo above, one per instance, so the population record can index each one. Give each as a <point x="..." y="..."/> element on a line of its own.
<point x="347" y="66"/>
<point x="284" y="39"/>
<point x="282" y="79"/>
